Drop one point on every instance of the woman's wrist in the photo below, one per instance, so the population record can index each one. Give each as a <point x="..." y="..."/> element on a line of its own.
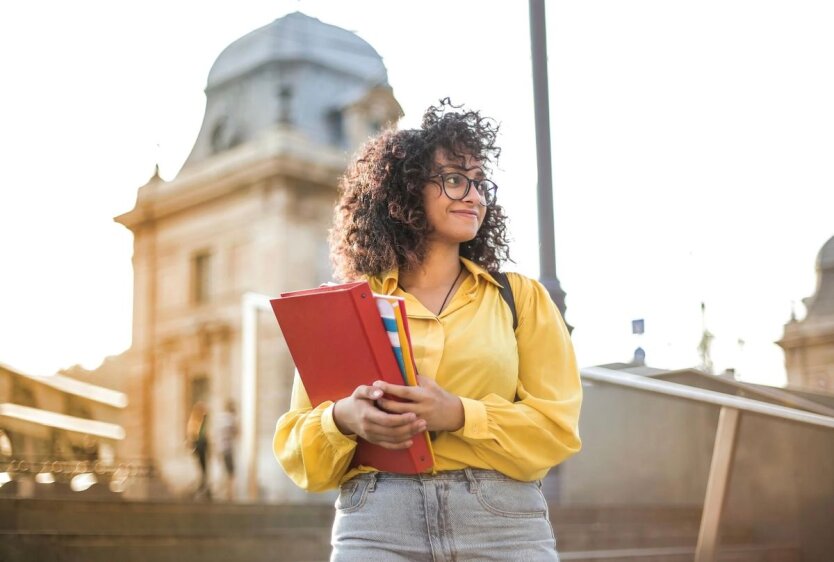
<point x="340" y="425"/>
<point x="458" y="417"/>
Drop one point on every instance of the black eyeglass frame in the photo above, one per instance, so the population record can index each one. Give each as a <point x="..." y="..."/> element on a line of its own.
<point x="483" y="195"/>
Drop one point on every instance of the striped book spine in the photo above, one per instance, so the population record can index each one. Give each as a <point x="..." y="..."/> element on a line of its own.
<point x="389" y="319"/>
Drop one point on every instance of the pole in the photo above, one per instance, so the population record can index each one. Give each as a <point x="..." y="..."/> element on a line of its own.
<point x="541" y="104"/>
<point x="249" y="394"/>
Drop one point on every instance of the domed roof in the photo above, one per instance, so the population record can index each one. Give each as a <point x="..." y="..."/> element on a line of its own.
<point x="825" y="259"/>
<point x="298" y="37"/>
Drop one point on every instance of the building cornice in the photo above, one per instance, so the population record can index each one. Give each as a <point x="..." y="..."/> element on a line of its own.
<point x="76" y="387"/>
<point x="62" y="421"/>
<point x="807" y="332"/>
<point x="280" y="152"/>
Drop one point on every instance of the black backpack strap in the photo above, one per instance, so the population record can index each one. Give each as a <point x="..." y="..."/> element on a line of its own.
<point x="507" y="294"/>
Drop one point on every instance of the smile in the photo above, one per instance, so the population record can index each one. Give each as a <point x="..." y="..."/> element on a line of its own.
<point x="472" y="214"/>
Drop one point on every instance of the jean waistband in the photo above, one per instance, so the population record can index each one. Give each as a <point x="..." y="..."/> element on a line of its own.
<point x="463" y="475"/>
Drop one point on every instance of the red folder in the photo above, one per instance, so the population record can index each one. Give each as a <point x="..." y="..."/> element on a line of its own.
<point x="338" y="342"/>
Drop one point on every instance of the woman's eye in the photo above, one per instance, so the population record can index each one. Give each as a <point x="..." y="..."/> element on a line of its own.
<point x="454" y="181"/>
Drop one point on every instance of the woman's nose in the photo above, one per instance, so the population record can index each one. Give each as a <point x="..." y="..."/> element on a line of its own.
<point x="473" y="196"/>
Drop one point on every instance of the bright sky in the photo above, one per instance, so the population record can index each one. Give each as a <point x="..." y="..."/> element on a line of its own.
<point x="692" y="146"/>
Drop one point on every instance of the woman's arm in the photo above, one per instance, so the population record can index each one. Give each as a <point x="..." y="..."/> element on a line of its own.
<point x="309" y="446"/>
<point x="526" y="437"/>
<point x="315" y="445"/>
<point x="540" y="429"/>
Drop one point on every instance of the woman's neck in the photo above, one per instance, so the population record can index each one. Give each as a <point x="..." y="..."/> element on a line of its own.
<point x="440" y="266"/>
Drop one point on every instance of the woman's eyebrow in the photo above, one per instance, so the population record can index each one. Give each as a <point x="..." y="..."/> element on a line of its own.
<point x="458" y="168"/>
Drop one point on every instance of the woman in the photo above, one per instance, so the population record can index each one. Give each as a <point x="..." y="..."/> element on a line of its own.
<point x="418" y="218"/>
<point x="196" y="433"/>
<point x="227" y="431"/>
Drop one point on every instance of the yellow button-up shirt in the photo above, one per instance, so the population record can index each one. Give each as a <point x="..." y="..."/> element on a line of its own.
<point x="520" y="391"/>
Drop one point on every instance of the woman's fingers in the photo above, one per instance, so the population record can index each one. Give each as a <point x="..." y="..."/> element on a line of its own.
<point x="376" y="416"/>
<point x="395" y="407"/>
<point x="394" y="446"/>
<point x="412" y="393"/>
<point x="391" y="428"/>
<point x="367" y="392"/>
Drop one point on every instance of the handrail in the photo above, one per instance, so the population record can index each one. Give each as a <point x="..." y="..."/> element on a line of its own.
<point x="620" y="378"/>
<point x="724" y="446"/>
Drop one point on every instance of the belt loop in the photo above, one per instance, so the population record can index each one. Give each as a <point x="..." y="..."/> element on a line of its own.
<point x="473" y="482"/>
<point x="372" y="484"/>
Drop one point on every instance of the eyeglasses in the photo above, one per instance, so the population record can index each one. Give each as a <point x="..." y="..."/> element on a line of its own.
<point x="456" y="186"/>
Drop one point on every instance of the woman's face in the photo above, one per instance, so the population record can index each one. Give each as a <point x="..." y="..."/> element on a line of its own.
<point x="453" y="221"/>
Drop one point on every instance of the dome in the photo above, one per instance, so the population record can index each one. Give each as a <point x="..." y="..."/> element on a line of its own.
<point x="298" y="37"/>
<point x="297" y="74"/>
<point x="825" y="259"/>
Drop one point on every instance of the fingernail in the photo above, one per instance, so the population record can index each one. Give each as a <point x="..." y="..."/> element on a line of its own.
<point x="376" y="394"/>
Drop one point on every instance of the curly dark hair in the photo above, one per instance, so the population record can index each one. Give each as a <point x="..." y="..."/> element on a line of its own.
<point x="380" y="221"/>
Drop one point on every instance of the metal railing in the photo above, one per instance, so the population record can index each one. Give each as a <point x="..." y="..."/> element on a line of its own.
<point x="725" y="438"/>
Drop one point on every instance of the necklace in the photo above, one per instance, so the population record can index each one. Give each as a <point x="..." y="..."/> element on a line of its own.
<point x="455" y="282"/>
<point x="443" y="304"/>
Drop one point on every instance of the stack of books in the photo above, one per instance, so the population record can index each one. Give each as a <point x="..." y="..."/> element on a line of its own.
<point x="344" y="336"/>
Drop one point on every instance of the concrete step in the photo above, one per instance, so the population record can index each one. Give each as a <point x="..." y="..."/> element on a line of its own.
<point x="297" y="545"/>
<point x="625" y="514"/>
<point x="157" y="518"/>
<point x="302" y="545"/>
<point x="92" y="531"/>
<point x="591" y="528"/>
<point x="734" y="553"/>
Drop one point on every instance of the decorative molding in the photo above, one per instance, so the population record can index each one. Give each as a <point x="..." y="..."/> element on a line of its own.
<point x="62" y="421"/>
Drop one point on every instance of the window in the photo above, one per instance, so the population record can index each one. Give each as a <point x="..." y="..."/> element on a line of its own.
<point x="336" y="127"/>
<point x="201" y="277"/>
<point x="23" y="393"/>
<point x="221" y="134"/>
<point x="76" y="407"/>
<point x="198" y="390"/>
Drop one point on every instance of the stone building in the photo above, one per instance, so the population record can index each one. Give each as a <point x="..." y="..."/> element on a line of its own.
<point x="809" y="343"/>
<point x="249" y="212"/>
<point x="53" y="429"/>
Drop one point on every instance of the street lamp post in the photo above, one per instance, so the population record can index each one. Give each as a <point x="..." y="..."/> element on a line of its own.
<point x="541" y="104"/>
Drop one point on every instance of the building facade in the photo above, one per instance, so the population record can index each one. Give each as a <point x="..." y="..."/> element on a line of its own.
<point x="809" y="343"/>
<point x="286" y="105"/>
<point x="54" y="429"/>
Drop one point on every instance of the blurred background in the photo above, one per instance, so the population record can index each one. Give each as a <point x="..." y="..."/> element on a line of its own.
<point x="168" y="166"/>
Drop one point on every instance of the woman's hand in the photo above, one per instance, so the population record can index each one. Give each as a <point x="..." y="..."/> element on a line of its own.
<point x="442" y="410"/>
<point x="357" y="414"/>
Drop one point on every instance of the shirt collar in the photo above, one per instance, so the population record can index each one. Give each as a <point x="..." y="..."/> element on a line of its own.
<point x="478" y="271"/>
<point x="387" y="282"/>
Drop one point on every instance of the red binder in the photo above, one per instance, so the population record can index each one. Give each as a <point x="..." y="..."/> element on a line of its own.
<point x="338" y="342"/>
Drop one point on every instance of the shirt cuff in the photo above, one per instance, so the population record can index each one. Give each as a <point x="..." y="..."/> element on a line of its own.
<point x="475" y="420"/>
<point x="331" y="431"/>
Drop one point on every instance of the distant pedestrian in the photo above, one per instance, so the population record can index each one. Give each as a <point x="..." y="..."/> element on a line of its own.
<point x="227" y="431"/>
<point x="197" y="435"/>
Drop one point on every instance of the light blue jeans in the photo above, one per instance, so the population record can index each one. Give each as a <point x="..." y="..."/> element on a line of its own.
<point x="452" y="516"/>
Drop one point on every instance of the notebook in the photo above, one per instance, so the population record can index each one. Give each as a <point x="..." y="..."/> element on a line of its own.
<point x="338" y="341"/>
